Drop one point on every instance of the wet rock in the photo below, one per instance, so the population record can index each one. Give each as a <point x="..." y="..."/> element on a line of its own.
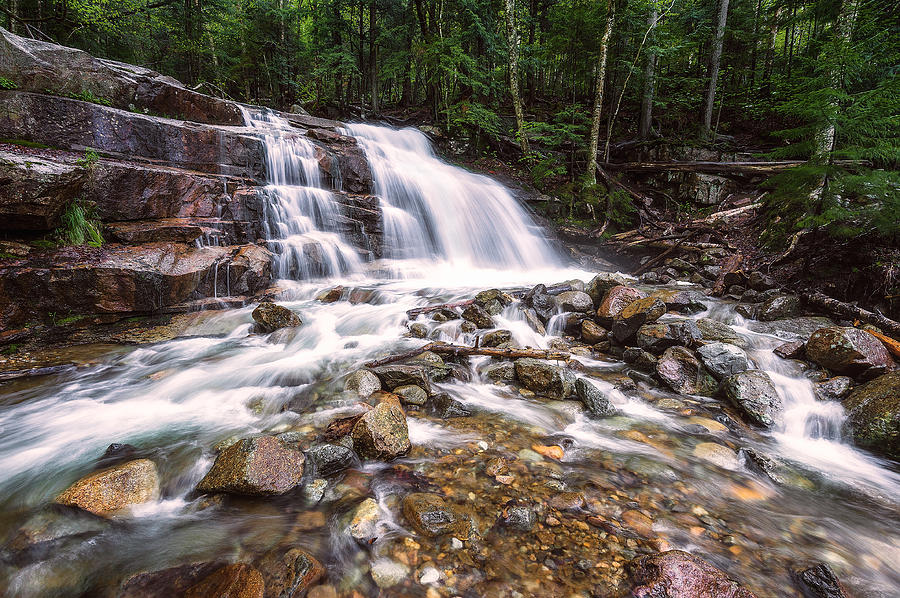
<point x="751" y="296"/>
<point x="873" y="415"/>
<point x="592" y="333"/>
<point x="117" y="453"/>
<point x="289" y="573"/>
<point x="723" y="360"/>
<point x="545" y="378"/>
<point x="833" y="388"/>
<point x="567" y="501"/>
<point x="639" y="522"/>
<point x="819" y="581"/>
<point x="328" y="459"/>
<point x="382" y="433"/>
<point x="595" y="400"/>
<point x="269" y="317"/>
<point x="687" y="332"/>
<point x="387" y="573"/>
<point x="773" y="469"/>
<point x="418" y="330"/>
<point x="790" y="350"/>
<point x="776" y="308"/>
<point x="395" y="375"/>
<point x="433" y="363"/>
<point x="677" y="574"/>
<point x="574" y="301"/>
<point x="657" y="337"/>
<point x="504" y="371"/>
<point x="650" y="277"/>
<point x="754" y="394"/>
<point x="411" y="394"/>
<point x="478" y="315"/>
<point x="330" y="295"/>
<point x="429" y="514"/>
<point x="110" y="491"/>
<point x="717" y="454"/>
<point x="640" y="359"/>
<point x="543" y="303"/>
<point x="637" y="313"/>
<point x="519" y="518"/>
<point x="496" y="466"/>
<point x="363" y="524"/>
<point x="532" y="319"/>
<point x="681" y="371"/>
<point x="793" y="329"/>
<point x="615" y="300"/>
<point x="47" y="529"/>
<point x="314" y="490"/>
<point x="257" y="466"/>
<point x="497" y="337"/>
<point x="849" y="351"/>
<point x="444" y="406"/>
<point x="761" y="282"/>
<point x="35" y="191"/>
<point x="167" y="583"/>
<point x="363" y="383"/>
<point x="231" y="581"/>
<point x="682" y="301"/>
<point x="713" y="330"/>
<point x="341" y="427"/>
<point x="601" y="284"/>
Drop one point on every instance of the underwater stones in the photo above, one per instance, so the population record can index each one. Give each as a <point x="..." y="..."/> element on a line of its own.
<point x="328" y="459"/>
<point x="411" y="394"/>
<point x="429" y="514"/>
<point x="778" y="307"/>
<point x="395" y="375"/>
<point x="754" y="394"/>
<point x="595" y="400"/>
<point x="289" y="573"/>
<point x="615" y="300"/>
<point x="677" y="574"/>
<point x="387" y="573"/>
<point x="716" y="454"/>
<point x="819" y="581"/>
<point x="723" y="359"/>
<point x="269" y="317"/>
<point x="382" y="433"/>
<point x="637" y="313"/>
<point x="238" y="580"/>
<point x="478" y="316"/>
<point x="545" y="378"/>
<point x="258" y="466"/>
<point x="592" y="333"/>
<point x="363" y="523"/>
<point x="873" y="415"/>
<point x="681" y="371"/>
<point x="166" y="583"/>
<point x="110" y="491"/>
<point x="363" y="383"/>
<point x="849" y="351"/>
<point x="574" y="301"/>
<point x="47" y="529"/>
<point x="519" y="518"/>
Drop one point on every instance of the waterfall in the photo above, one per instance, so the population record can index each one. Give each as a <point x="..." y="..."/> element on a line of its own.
<point x="433" y="210"/>
<point x="302" y="219"/>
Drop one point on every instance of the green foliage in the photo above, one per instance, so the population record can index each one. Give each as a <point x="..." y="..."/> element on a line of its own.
<point x="79" y="226"/>
<point x="86" y="95"/>
<point x="7" y="84"/>
<point x="25" y="143"/>
<point x="10" y="349"/>
<point x="89" y="160"/>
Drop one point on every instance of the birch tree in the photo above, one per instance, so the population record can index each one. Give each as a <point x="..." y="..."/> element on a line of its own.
<point x="715" y="59"/>
<point x="513" y="38"/>
<point x="598" y="94"/>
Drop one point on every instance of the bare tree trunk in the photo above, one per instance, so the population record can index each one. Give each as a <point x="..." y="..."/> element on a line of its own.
<point x="649" y="80"/>
<point x="598" y="95"/>
<point x="513" y="37"/>
<point x="373" y="58"/>
<point x="770" y="49"/>
<point x="13" y="12"/>
<point x="714" y="61"/>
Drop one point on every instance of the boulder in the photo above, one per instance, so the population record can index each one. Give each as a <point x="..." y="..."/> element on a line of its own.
<point x="833" y="388"/>
<point x="545" y="378"/>
<point x="411" y="394"/>
<point x="681" y="301"/>
<point x="429" y="514"/>
<point x="269" y="317"/>
<point x="723" y="360"/>
<point x="790" y="350"/>
<point x="778" y="307"/>
<point x="331" y="295"/>
<point x="239" y="580"/>
<point x="382" y="433"/>
<point x="364" y="521"/>
<point x="35" y="191"/>
<point x="444" y="406"/>
<point x="637" y="313"/>
<point x="615" y="300"/>
<point x="681" y="371"/>
<point x="601" y="284"/>
<point x="258" y="466"/>
<point x="873" y="415"/>
<point x="642" y="360"/>
<point x="592" y="333"/>
<point x="478" y="315"/>
<point x="495" y="338"/>
<point x="574" y="301"/>
<point x="677" y="574"/>
<point x="363" y="383"/>
<point x="754" y="394"/>
<point x="433" y="363"/>
<point x="849" y="351"/>
<point x="713" y="330"/>
<point x="595" y="400"/>
<point x="657" y="337"/>
<point x="504" y="371"/>
<point x="289" y="573"/>
<point x="395" y="375"/>
<point x="110" y="491"/>
<point x="328" y="459"/>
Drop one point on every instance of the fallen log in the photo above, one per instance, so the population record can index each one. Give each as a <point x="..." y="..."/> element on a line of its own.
<point x="720" y="168"/>
<point x="892" y="346"/>
<point x="849" y="310"/>
<point x="730" y="264"/>
<point x="465" y="350"/>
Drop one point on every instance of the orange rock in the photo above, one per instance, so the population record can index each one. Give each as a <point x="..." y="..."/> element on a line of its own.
<point x="752" y="491"/>
<point x="552" y="451"/>
<point x="638" y="522"/>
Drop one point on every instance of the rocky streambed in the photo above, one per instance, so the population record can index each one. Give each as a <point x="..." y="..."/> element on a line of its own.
<point x="674" y="452"/>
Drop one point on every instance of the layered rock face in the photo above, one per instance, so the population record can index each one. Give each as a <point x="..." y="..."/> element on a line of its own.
<point x="179" y="196"/>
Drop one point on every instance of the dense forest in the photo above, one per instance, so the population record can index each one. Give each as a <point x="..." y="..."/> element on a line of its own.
<point x="815" y="80"/>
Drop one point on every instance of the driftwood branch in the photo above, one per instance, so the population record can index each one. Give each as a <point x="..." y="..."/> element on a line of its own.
<point x="464" y="350"/>
<point x="826" y="303"/>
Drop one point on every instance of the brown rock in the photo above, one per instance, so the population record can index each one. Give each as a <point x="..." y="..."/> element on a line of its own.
<point x="382" y="433"/>
<point x="429" y="514"/>
<point x="111" y="490"/>
<point x="256" y="467"/>
<point x="269" y="317"/>
<point x="167" y="583"/>
<point x="289" y="573"/>
<point x="592" y="333"/>
<point x="849" y="351"/>
<point x="231" y="581"/>
<point x="677" y="574"/>
<point x="637" y="313"/>
<point x="616" y="299"/>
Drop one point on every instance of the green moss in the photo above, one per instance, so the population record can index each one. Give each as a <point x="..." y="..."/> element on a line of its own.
<point x="89" y="160"/>
<point x="86" y="95"/>
<point x="7" y="84"/>
<point x="10" y="349"/>
<point x="25" y="143"/>
<point x="68" y="320"/>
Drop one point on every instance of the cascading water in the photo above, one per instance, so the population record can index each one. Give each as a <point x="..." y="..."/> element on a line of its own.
<point x="302" y="217"/>
<point x="436" y="211"/>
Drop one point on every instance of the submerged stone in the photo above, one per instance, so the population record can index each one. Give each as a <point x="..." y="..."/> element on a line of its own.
<point x="677" y="574"/>
<point x="429" y="514"/>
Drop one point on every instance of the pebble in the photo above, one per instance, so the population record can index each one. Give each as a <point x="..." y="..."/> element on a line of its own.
<point x="717" y="454"/>
<point x="429" y="575"/>
<point x="315" y="490"/>
<point x="386" y="572"/>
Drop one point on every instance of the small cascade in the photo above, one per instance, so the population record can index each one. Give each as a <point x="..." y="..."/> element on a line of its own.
<point x="435" y="211"/>
<point x="302" y="219"/>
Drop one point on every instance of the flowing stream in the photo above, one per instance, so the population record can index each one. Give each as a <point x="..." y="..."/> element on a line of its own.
<point x="448" y="234"/>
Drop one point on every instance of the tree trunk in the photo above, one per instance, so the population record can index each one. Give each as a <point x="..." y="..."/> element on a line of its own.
<point x="513" y="37"/>
<point x="373" y="58"/>
<point x="598" y="94"/>
<point x="714" y="61"/>
<point x="770" y="49"/>
<point x="649" y="79"/>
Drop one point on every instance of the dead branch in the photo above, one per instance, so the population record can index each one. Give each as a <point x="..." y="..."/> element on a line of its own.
<point x="849" y="310"/>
